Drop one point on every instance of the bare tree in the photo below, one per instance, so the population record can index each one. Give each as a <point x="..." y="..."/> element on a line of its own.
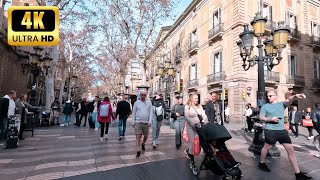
<point x="136" y="21"/>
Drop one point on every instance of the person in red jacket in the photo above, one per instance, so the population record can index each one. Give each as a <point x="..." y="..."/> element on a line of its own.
<point x="104" y="117"/>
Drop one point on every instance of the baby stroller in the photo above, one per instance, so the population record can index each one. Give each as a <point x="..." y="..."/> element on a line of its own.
<point x="45" y="118"/>
<point x="217" y="158"/>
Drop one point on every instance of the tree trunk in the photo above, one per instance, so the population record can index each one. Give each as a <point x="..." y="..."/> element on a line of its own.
<point x="50" y="78"/>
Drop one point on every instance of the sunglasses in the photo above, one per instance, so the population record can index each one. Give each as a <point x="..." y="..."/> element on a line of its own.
<point x="269" y="96"/>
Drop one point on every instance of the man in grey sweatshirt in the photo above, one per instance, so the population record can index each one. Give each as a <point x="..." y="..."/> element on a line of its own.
<point x="142" y="113"/>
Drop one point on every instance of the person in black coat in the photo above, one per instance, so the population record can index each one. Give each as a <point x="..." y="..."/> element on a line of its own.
<point x="295" y="118"/>
<point x="213" y="109"/>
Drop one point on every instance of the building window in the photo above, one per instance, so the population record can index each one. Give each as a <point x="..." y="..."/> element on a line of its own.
<point x="316" y="65"/>
<point x="292" y="62"/>
<point x="193" y="36"/>
<point x="314" y="29"/>
<point x="217" y="62"/>
<point x="291" y="20"/>
<point x="217" y="18"/>
<point x="193" y="72"/>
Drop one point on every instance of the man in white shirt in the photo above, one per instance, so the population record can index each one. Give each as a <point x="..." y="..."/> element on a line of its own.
<point x="142" y="117"/>
<point x="7" y="109"/>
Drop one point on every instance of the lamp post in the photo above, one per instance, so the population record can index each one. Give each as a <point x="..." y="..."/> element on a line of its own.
<point x="167" y="73"/>
<point x="268" y="51"/>
<point x="34" y="65"/>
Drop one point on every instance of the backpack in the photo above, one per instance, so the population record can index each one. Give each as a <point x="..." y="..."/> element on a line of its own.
<point x="104" y="110"/>
<point x="159" y="111"/>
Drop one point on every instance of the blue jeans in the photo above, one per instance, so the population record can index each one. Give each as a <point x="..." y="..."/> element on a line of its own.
<point x="95" y="119"/>
<point x="122" y="125"/>
<point x="156" y="125"/>
<point x="3" y="129"/>
<point x="67" y="118"/>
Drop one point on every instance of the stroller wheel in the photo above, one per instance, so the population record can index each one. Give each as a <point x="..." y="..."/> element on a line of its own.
<point x="195" y="171"/>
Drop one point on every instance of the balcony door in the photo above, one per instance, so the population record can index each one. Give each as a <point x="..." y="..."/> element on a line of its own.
<point x="193" y="72"/>
<point x="217" y="18"/>
<point x="292" y="66"/>
<point x="316" y="65"/>
<point x="217" y="63"/>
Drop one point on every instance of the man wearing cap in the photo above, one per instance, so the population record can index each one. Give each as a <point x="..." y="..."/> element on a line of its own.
<point x="142" y="113"/>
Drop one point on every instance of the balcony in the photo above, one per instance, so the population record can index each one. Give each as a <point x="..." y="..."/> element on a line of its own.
<point x="193" y="47"/>
<point x="296" y="80"/>
<point x="271" y="77"/>
<point x="316" y="83"/>
<point x="193" y="83"/>
<point x="215" y="32"/>
<point x="215" y="78"/>
<point x="294" y="35"/>
<point x="315" y="41"/>
<point x="269" y="26"/>
<point x="178" y="57"/>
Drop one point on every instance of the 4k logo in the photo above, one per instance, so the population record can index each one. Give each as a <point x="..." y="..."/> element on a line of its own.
<point x="33" y="25"/>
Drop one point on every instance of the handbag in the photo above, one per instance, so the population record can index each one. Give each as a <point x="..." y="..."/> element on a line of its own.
<point x="196" y="146"/>
<point x="307" y="122"/>
<point x="199" y="116"/>
<point x="184" y="132"/>
<point x="173" y="115"/>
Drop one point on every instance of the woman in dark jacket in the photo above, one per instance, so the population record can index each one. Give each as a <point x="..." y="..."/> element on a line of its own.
<point x="177" y="112"/>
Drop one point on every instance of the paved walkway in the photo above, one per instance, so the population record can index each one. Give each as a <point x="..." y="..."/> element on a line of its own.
<point x="76" y="153"/>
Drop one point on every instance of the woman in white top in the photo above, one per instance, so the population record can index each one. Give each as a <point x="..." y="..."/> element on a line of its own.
<point x="191" y="112"/>
<point x="248" y="113"/>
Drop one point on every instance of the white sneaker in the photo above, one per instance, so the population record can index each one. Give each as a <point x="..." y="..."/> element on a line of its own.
<point x="101" y="139"/>
<point x="154" y="144"/>
<point x="96" y="129"/>
<point x="61" y="125"/>
<point x="252" y="130"/>
<point x="309" y="138"/>
<point x="106" y="136"/>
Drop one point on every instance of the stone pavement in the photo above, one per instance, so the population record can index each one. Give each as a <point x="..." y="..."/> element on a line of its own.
<point x="76" y="153"/>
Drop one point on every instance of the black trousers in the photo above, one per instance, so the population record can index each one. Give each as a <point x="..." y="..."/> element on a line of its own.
<point x="296" y="131"/>
<point x="85" y="119"/>
<point x="310" y="129"/>
<point x="316" y="126"/>
<point x="249" y="123"/>
<point x="21" y="130"/>
<point x="104" y="128"/>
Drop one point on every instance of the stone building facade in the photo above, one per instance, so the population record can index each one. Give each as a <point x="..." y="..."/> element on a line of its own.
<point x="202" y="46"/>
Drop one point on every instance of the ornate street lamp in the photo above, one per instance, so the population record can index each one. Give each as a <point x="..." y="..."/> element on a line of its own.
<point x="47" y="62"/>
<point x="273" y="47"/>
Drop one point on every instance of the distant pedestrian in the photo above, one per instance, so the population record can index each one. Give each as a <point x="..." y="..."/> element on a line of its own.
<point x="309" y="115"/>
<point x="104" y="117"/>
<point x="142" y="114"/>
<point x="67" y="111"/>
<point x="227" y="114"/>
<point x="273" y="114"/>
<point x="96" y="104"/>
<point x="159" y="115"/>
<point x="83" y="112"/>
<point x="123" y="111"/>
<point x="316" y="118"/>
<point x="55" y="107"/>
<point x="295" y="118"/>
<point x="248" y="114"/>
<point x="178" y="123"/>
<point x="213" y="109"/>
<point x="7" y="109"/>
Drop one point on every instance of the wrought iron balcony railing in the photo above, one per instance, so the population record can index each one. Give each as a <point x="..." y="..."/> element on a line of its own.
<point x="271" y="76"/>
<point x="193" y="47"/>
<point x="295" y="34"/>
<point x="193" y="83"/>
<point x="215" y="31"/>
<point x="295" y="80"/>
<point x="215" y="77"/>
<point x="316" y="83"/>
<point x="315" y="40"/>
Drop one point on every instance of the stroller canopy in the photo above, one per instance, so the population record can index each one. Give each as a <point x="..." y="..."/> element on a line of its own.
<point x="213" y="131"/>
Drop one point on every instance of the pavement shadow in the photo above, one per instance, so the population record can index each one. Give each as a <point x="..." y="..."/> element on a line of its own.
<point x="247" y="136"/>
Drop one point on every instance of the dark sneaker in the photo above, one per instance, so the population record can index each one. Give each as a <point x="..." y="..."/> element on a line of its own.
<point x="138" y="154"/>
<point x="120" y="138"/>
<point x="264" y="167"/>
<point x="143" y="148"/>
<point x="302" y="176"/>
<point x="177" y="146"/>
